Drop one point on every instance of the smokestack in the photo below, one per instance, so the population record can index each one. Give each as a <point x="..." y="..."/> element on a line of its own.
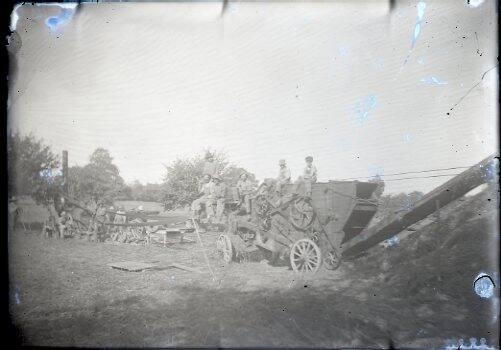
<point x="65" y="172"/>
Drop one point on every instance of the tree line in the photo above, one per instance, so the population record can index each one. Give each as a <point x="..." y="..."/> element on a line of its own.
<point x="34" y="170"/>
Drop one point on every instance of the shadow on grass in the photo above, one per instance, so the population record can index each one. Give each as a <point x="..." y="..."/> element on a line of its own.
<point x="225" y="317"/>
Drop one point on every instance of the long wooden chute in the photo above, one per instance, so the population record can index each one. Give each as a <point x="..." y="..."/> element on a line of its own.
<point x="442" y="195"/>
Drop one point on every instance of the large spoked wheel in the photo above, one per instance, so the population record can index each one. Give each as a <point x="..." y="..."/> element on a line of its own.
<point x="225" y="248"/>
<point x="305" y="256"/>
<point x="332" y="260"/>
<point x="301" y="213"/>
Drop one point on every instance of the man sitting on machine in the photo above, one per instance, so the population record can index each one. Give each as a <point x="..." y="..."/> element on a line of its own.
<point x="206" y="190"/>
<point x="308" y="178"/>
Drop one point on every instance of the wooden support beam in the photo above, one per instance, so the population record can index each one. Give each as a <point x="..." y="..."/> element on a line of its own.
<point x="444" y="194"/>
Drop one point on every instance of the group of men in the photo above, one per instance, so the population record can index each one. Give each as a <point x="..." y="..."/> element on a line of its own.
<point x="212" y="189"/>
<point x="308" y="178"/>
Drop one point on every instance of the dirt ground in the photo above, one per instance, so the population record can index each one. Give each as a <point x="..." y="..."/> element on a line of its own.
<point x="63" y="293"/>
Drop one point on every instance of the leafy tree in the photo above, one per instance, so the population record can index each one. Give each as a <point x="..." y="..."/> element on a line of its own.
<point x="232" y="174"/>
<point x="136" y="190"/>
<point x="150" y="192"/>
<point x="153" y="192"/>
<point x="180" y="185"/>
<point x="99" y="180"/>
<point x="181" y="182"/>
<point x="32" y="168"/>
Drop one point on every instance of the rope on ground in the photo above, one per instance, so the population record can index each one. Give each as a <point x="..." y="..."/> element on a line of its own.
<point x="195" y="225"/>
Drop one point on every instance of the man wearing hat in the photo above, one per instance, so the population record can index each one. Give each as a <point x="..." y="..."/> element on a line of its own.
<point x="120" y="216"/>
<point x="65" y="220"/>
<point x="218" y="196"/>
<point x="210" y="166"/>
<point x="284" y="175"/>
<point x="245" y="189"/>
<point x="309" y="177"/>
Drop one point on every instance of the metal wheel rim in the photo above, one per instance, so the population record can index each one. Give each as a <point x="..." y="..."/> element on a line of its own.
<point x="305" y="256"/>
<point x="332" y="260"/>
<point x="225" y="248"/>
<point x="306" y="217"/>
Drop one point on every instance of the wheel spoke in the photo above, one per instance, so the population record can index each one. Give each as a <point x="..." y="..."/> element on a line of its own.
<point x="313" y="256"/>
<point x="301" y="248"/>
<point x="298" y="248"/>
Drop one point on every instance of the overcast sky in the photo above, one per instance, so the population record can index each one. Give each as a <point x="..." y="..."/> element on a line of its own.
<point x="360" y="88"/>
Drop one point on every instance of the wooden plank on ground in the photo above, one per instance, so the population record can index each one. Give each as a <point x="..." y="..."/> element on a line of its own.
<point x="184" y="267"/>
<point x="133" y="266"/>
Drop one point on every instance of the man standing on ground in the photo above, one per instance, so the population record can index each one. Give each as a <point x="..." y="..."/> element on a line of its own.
<point x="219" y="197"/>
<point x="245" y="189"/>
<point x="14" y="211"/>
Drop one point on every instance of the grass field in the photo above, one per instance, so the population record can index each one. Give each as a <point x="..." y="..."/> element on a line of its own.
<point x="31" y="212"/>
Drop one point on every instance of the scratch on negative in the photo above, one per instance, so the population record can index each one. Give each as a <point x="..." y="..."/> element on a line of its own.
<point x="300" y="331"/>
<point x="473" y="87"/>
<point x="205" y="339"/>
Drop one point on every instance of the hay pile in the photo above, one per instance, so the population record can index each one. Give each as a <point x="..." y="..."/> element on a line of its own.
<point x="432" y="271"/>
